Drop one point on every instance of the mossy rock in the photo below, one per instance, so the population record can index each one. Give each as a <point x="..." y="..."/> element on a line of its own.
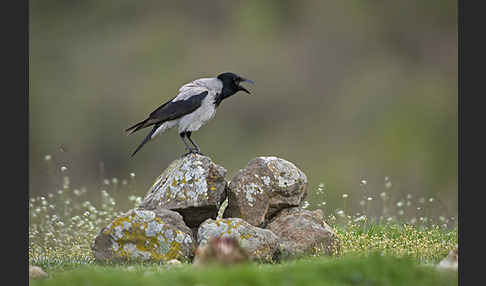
<point x="145" y="235"/>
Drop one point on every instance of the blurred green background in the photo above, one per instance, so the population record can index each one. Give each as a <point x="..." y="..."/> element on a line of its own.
<point x="347" y="90"/>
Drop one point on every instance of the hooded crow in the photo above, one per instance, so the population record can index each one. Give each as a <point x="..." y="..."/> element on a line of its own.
<point x="195" y="104"/>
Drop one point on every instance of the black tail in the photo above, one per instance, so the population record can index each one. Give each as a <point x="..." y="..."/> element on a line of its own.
<point x="138" y="126"/>
<point x="147" y="138"/>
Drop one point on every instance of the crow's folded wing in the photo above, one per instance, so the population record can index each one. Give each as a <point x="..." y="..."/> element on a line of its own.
<point x="175" y="109"/>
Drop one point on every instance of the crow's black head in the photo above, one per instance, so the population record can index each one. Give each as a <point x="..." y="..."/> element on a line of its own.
<point x="231" y="85"/>
<point x="231" y="82"/>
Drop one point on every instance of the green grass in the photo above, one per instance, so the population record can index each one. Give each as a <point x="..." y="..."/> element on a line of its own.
<point x="382" y="254"/>
<point x="349" y="270"/>
<point x="390" y="249"/>
<point x="425" y="244"/>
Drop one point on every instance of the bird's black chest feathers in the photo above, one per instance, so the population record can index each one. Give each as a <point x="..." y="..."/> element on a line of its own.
<point x="217" y="99"/>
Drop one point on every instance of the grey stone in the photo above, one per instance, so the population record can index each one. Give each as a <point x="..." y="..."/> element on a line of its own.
<point x="303" y="232"/>
<point x="260" y="244"/>
<point x="451" y="261"/>
<point x="192" y="185"/>
<point x="266" y="186"/>
<point x="35" y="272"/>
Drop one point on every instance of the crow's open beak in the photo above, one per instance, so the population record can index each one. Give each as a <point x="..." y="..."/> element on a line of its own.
<point x="245" y="80"/>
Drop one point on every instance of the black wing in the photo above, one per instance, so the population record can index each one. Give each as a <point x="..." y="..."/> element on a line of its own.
<point x="170" y="110"/>
<point x="175" y="109"/>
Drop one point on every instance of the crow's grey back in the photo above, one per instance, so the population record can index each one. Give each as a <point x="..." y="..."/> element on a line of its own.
<point x="212" y="85"/>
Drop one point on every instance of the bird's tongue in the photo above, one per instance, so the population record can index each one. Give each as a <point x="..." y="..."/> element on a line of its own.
<point x="248" y="80"/>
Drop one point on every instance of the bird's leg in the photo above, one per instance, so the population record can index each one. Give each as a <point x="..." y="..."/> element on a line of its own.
<point x="188" y="134"/>
<point x="188" y="147"/>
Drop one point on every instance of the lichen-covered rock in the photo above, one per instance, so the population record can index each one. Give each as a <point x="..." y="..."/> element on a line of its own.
<point x="192" y="185"/>
<point x="303" y="232"/>
<point x="158" y="235"/>
<point x="265" y="186"/>
<point x="260" y="244"/>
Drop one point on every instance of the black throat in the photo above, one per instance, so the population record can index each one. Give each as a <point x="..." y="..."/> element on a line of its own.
<point x="230" y="86"/>
<point x="225" y="93"/>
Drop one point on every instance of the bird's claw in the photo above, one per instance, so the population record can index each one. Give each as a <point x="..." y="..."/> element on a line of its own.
<point x="192" y="151"/>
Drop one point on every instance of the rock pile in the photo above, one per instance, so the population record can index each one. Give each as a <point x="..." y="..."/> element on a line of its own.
<point x="179" y="214"/>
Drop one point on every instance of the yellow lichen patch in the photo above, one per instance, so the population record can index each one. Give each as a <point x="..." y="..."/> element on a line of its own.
<point x="122" y="253"/>
<point x="228" y="222"/>
<point x="212" y="188"/>
<point x="174" y="251"/>
<point x="119" y="222"/>
<point x="245" y="236"/>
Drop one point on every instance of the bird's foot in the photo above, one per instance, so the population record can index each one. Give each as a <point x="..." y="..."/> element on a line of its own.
<point x="187" y="153"/>
<point x="192" y="151"/>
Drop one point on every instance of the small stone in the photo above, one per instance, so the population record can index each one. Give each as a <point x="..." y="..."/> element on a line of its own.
<point x="451" y="261"/>
<point x="174" y="262"/>
<point x="260" y="244"/>
<point x="303" y="232"/>
<point x="220" y="250"/>
<point x="35" y="272"/>
<point x="193" y="186"/>
<point x="266" y="186"/>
